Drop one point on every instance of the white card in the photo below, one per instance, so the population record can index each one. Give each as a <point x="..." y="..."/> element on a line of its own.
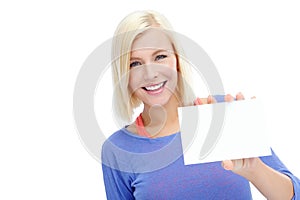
<point x="238" y="130"/>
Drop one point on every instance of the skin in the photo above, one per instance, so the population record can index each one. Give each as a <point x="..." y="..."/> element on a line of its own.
<point x="153" y="62"/>
<point x="150" y="67"/>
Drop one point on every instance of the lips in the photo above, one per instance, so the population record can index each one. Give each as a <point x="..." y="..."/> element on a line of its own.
<point x="155" y="88"/>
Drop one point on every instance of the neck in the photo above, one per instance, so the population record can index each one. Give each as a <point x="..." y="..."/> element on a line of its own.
<point x="161" y="120"/>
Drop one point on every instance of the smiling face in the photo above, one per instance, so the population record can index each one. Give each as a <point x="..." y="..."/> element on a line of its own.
<point x="153" y="68"/>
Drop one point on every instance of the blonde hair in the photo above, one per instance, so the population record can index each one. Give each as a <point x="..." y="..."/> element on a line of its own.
<point x="127" y="31"/>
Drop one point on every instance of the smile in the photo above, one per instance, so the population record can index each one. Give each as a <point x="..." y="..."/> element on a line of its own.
<point x="155" y="87"/>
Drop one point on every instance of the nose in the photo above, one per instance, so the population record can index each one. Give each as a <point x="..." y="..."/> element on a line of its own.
<point x="150" y="72"/>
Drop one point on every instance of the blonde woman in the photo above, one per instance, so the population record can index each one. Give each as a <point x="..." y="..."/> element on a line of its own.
<point x="144" y="159"/>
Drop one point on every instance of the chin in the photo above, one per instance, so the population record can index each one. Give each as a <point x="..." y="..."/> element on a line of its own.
<point x="159" y="101"/>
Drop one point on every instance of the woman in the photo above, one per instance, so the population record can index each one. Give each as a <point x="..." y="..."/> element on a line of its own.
<point x="144" y="160"/>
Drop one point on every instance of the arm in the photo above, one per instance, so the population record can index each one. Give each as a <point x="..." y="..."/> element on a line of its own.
<point x="269" y="175"/>
<point x="275" y="163"/>
<point x="271" y="183"/>
<point x="117" y="183"/>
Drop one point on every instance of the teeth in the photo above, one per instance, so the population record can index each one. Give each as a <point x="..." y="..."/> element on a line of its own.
<point x="154" y="87"/>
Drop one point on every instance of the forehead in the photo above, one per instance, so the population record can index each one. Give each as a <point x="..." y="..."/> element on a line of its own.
<point x="152" y="39"/>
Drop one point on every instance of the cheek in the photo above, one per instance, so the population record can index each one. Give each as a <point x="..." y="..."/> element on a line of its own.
<point x="170" y="73"/>
<point x="171" y="69"/>
<point x="134" y="79"/>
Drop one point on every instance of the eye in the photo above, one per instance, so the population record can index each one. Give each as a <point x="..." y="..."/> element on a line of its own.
<point x="159" y="57"/>
<point x="135" y="63"/>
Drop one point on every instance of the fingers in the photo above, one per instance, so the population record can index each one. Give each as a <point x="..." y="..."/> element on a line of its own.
<point x="227" y="164"/>
<point x="240" y="96"/>
<point x="198" y="101"/>
<point x="228" y="98"/>
<point x="233" y="164"/>
<point x="240" y="166"/>
<point x="211" y="99"/>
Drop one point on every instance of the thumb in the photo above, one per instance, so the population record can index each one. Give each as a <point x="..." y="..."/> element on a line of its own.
<point x="233" y="164"/>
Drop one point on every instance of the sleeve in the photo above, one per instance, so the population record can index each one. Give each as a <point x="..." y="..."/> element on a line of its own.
<point x="117" y="183"/>
<point x="274" y="162"/>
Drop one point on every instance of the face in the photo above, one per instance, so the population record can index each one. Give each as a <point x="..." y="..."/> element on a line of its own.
<point x="153" y="68"/>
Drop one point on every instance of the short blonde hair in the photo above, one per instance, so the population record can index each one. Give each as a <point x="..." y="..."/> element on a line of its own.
<point x="127" y="31"/>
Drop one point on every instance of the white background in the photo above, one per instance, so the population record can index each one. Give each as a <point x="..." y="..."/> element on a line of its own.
<point x="255" y="46"/>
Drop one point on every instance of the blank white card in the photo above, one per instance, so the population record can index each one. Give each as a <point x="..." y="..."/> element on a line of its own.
<point x="223" y="131"/>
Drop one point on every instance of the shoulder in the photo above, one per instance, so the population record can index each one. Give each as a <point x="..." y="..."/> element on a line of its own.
<point x="121" y="139"/>
<point x="125" y="134"/>
<point x="119" y="149"/>
<point x="115" y="138"/>
<point x="111" y="147"/>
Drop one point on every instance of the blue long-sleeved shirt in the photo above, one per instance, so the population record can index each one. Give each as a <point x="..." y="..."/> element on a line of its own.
<point x="136" y="167"/>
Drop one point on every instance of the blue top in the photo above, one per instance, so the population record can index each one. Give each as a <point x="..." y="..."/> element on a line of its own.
<point x="135" y="167"/>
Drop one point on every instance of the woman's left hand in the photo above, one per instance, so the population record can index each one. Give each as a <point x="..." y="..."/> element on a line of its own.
<point x="241" y="166"/>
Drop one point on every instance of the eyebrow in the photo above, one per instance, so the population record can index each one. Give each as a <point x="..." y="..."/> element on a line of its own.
<point x="154" y="53"/>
